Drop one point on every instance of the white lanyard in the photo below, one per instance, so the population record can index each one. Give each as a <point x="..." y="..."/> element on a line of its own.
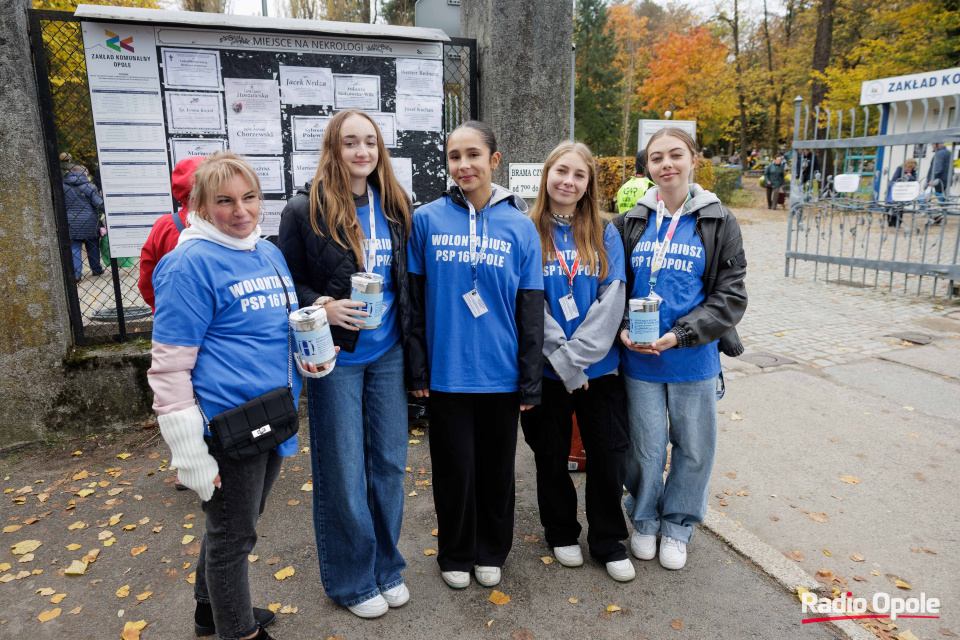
<point x="476" y="256"/>
<point x="372" y="241"/>
<point x="660" y="248"/>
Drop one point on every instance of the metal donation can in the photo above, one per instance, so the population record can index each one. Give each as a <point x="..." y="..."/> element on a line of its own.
<point x="311" y="337"/>
<point x="368" y="288"/>
<point x="644" y="321"/>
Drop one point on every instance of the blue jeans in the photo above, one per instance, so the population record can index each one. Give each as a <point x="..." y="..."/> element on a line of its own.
<point x="358" y="445"/>
<point x="670" y="508"/>
<point x="93" y="256"/>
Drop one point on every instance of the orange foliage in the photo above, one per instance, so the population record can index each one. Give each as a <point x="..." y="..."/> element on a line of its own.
<point x="610" y="179"/>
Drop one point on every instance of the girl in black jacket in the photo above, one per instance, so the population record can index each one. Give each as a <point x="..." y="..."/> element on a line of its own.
<point x="355" y="216"/>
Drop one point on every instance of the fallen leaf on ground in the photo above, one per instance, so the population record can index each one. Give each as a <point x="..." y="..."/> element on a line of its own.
<point x="13" y="527"/>
<point x="724" y="503"/>
<point x="827" y="553"/>
<point x="613" y="608"/>
<point x="109" y="542"/>
<point x="83" y="493"/>
<point x="307" y="487"/>
<point x="546" y="560"/>
<point x="875" y="573"/>
<point x="796" y="556"/>
<point x="49" y="615"/>
<point x="850" y="479"/>
<point x="274" y="607"/>
<point x="860" y="579"/>
<point x="414" y="441"/>
<point x="123" y="456"/>
<point x="902" y="584"/>
<point x="192" y="578"/>
<point x="187" y="539"/>
<point x="908" y="408"/>
<point x="818" y="516"/>
<point x="272" y="561"/>
<point x="58" y="598"/>
<point x="115" y="491"/>
<point x="930" y="551"/>
<point x="677" y="624"/>
<point x="735" y="415"/>
<point x="123" y="591"/>
<point x="531" y="538"/>
<point x="907" y="635"/>
<point x="742" y="493"/>
<point x="76" y="610"/>
<point x="289" y="609"/>
<point x="77" y="453"/>
<point x="131" y="630"/>
<point x="143" y="596"/>
<point x="856" y="557"/>
<point x="498" y="598"/>
<point x="435" y="532"/>
<point x="412" y="494"/>
<point x="731" y="475"/>
<point x="429" y="552"/>
<point x="27" y="546"/>
<point x="76" y="568"/>
<point x="90" y="557"/>
<point x="27" y="557"/>
<point x="72" y="547"/>
<point x="46" y="591"/>
<point x="573" y="601"/>
<point x="292" y="503"/>
<point x="129" y="527"/>
<point x="252" y="558"/>
<point x="284" y="573"/>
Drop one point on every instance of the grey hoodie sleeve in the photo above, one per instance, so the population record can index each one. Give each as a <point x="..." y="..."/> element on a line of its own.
<point x="553" y="335"/>
<point x="592" y="339"/>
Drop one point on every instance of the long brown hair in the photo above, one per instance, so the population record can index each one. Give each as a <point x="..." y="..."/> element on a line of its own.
<point x="586" y="224"/>
<point x="336" y="205"/>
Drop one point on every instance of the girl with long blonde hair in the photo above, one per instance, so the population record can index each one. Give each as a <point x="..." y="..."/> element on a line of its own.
<point x="354" y="216"/>
<point x="584" y="293"/>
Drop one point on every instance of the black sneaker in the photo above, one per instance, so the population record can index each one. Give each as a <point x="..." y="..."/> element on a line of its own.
<point x="203" y="620"/>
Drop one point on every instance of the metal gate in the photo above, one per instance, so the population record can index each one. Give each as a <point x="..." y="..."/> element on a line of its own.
<point x="104" y="301"/>
<point x="852" y="237"/>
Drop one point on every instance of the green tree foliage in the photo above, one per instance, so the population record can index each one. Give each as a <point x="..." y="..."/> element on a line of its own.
<point x="399" y="12"/>
<point x="597" y="99"/>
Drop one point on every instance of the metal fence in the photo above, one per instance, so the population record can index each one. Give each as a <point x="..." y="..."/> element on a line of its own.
<point x="862" y="234"/>
<point x="104" y="301"/>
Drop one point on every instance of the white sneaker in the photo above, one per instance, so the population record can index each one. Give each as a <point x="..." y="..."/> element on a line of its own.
<point x="621" y="570"/>
<point x="398" y="596"/>
<point x="644" y="547"/>
<point x="570" y="556"/>
<point x="488" y="576"/>
<point x="673" y="553"/>
<point x="456" y="579"/>
<point x="372" y="608"/>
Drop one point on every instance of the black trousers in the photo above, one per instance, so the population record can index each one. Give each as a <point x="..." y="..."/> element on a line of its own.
<point x="602" y="418"/>
<point x="473" y="447"/>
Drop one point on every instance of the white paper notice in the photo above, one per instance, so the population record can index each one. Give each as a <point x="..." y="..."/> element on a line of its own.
<point x="191" y="69"/>
<point x="183" y="148"/>
<point x="403" y="170"/>
<point x="249" y="136"/>
<point x="252" y="98"/>
<point x="905" y="191"/>
<point x="420" y="77"/>
<point x="194" y="112"/>
<point x="270" y="172"/>
<point x="306" y="85"/>
<point x="387" y="123"/>
<point x="356" y="92"/>
<point x="303" y="166"/>
<point x="415" y="113"/>
<point x="308" y="132"/>
<point x="270" y="211"/>
<point x="846" y="182"/>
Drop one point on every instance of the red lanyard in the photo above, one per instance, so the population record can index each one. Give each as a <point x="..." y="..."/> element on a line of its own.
<point x="563" y="264"/>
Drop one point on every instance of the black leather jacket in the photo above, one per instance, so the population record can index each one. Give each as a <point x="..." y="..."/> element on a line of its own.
<point x="321" y="267"/>
<point x="723" y="277"/>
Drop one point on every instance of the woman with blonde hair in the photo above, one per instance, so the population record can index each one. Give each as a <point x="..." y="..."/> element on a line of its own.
<point x="215" y="347"/>
<point x="354" y="216"/>
<point x="583" y="277"/>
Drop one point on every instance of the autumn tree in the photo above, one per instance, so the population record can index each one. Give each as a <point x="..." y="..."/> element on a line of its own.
<point x="628" y="30"/>
<point x="347" y="10"/>
<point x="303" y="9"/>
<point x="399" y="12"/>
<point x="596" y="99"/>
<point x="206" y="6"/>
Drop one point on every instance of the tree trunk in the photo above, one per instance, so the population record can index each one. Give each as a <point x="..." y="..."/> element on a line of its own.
<point x="628" y="94"/>
<point x="822" y="48"/>
<point x="741" y="99"/>
<point x="775" y="135"/>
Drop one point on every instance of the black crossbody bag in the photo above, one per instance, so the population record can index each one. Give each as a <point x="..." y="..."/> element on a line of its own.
<point x="263" y="423"/>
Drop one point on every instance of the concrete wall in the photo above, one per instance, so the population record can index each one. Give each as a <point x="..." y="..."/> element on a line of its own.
<point x="45" y="390"/>
<point x="524" y="66"/>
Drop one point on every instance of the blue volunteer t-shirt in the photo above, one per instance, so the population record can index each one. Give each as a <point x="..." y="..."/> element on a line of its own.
<point x="680" y="284"/>
<point x="230" y="304"/>
<point x="556" y="285"/>
<point x="373" y="343"/>
<point x="468" y="354"/>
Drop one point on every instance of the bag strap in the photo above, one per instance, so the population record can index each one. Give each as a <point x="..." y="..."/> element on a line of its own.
<point x="286" y="295"/>
<point x="177" y="221"/>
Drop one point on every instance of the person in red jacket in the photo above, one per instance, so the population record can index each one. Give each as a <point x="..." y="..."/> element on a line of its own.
<point x="165" y="233"/>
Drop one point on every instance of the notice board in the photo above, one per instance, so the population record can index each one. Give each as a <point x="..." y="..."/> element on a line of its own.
<point x="163" y="93"/>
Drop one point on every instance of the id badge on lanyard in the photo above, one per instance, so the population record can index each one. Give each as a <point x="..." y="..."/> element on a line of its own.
<point x="567" y="304"/>
<point x="660" y="249"/>
<point x="478" y="247"/>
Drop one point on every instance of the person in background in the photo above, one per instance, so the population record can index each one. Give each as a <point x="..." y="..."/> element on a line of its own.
<point x="84" y="208"/>
<point x="166" y="230"/>
<point x="773" y="176"/>
<point x="941" y="171"/>
<point x="672" y="382"/>
<point x="735" y="158"/>
<point x="215" y="349"/>
<point x="354" y="216"/>
<point x="634" y="188"/>
<point x="476" y="351"/>
<point x="907" y="172"/>
<point x="584" y="296"/>
<point x="808" y="167"/>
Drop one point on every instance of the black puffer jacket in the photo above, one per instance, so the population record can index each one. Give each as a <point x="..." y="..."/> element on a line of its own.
<point x="321" y="267"/>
